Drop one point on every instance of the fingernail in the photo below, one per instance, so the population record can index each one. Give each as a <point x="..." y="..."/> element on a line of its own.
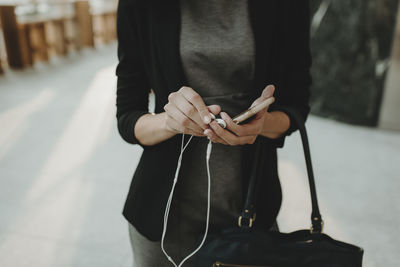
<point x="207" y="119"/>
<point x="206" y="132"/>
<point x="269" y="89"/>
<point x="212" y="116"/>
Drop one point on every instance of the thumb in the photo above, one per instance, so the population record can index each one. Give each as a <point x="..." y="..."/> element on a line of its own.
<point x="214" y="109"/>
<point x="266" y="93"/>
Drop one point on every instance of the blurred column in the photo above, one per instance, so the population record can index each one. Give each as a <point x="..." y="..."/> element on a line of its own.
<point x="390" y="108"/>
<point x="16" y="40"/>
<point x="85" y="24"/>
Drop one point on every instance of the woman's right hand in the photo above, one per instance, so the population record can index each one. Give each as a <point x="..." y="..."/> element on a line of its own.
<point x="187" y="113"/>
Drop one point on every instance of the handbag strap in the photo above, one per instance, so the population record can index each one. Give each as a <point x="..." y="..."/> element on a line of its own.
<point x="248" y="213"/>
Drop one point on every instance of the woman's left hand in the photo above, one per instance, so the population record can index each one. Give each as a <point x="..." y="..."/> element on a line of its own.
<point x="240" y="134"/>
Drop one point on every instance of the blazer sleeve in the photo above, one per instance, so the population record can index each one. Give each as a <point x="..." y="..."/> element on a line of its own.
<point x="293" y="89"/>
<point x="132" y="83"/>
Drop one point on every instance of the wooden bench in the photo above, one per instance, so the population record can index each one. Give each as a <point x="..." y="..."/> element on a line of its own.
<point x="35" y="37"/>
<point x="1" y="50"/>
<point x="29" y="38"/>
<point x="13" y="37"/>
<point x="85" y="23"/>
<point x="104" y="19"/>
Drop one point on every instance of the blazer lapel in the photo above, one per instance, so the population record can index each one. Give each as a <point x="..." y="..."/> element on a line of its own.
<point x="166" y="33"/>
<point x="264" y="24"/>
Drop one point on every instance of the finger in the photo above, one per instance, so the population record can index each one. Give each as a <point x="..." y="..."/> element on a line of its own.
<point x="228" y="137"/>
<point x="214" y="109"/>
<point x="181" y="118"/>
<point x="255" y="102"/>
<point x="213" y="137"/>
<point x="178" y="128"/>
<point x="196" y="100"/>
<point x="187" y="108"/>
<point x="266" y="93"/>
<point x="240" y="130"/>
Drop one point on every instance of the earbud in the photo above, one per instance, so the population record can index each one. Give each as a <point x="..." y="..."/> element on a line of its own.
<point x="221" y="122"/>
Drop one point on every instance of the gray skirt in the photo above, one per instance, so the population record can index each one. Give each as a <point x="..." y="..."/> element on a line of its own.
<point x="148" y="253"/>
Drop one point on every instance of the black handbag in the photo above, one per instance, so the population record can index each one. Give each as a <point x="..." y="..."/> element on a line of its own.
<point x="246" y="246"/>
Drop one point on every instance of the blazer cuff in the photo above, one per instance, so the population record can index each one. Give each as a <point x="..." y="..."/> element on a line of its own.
<point x="126" y="126"/>
<point x="280" y="141"/>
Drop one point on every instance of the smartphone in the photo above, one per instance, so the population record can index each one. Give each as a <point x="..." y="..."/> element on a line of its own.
<point x="248" y="113"/>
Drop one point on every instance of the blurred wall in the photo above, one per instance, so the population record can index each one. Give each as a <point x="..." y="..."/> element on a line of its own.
<point x="390" y="111"/>
<point x="351" y="46"/>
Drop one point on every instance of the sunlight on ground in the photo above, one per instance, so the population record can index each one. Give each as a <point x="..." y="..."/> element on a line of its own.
<point x="295" y="213"/>
<point x="59" y="189"/>
<point x="16" y="119"/>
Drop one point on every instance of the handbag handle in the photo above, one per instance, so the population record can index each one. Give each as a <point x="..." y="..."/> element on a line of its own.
<point x="248" y="212"/>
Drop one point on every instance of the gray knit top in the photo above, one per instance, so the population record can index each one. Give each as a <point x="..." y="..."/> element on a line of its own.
<point x="217" y="51"/>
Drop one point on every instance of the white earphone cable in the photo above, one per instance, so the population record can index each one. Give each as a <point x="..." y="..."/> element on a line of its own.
<point x="168" y="206"/>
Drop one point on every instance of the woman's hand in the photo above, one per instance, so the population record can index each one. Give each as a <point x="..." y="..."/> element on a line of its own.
<point x="235" y="134"/>
<point x="187" y="113"/>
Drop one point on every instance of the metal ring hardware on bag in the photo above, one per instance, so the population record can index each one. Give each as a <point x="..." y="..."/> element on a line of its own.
<point x="250" y="220"/>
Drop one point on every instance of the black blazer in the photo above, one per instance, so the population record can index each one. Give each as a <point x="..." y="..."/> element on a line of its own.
<point x="148" y="52"/>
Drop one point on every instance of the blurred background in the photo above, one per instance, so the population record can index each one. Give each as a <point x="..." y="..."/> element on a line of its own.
<point x="65" y="171"/>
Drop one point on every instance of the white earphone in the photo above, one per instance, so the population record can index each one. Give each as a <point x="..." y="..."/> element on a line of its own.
<point x="221" y="122"/>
